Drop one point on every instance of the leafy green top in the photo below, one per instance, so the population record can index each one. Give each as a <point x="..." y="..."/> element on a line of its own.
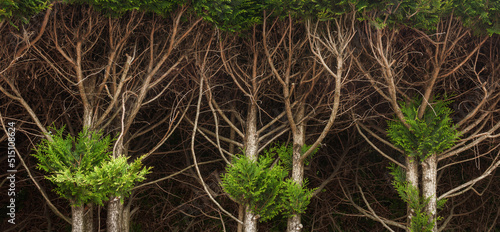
<point x="431" y="134"/>
<point x="82" y="167"/>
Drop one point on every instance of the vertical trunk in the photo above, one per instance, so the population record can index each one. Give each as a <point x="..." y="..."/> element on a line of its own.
<point x="77" y="220"/>
<point x="251" y="151"/>
<point x="126" y="218"/>
<point x="241" y="208"/>
<point x="294" y="223"/>
<point x="88" y="217"/>
<point x="241" y="215"/>
<point x="114" y="221"/>
<point x="118" y="217"/>
<point x="429" y="182"/>
<point x="412" y="178"/>
<point x="252" y="138"/>
<point x="81" y="218"/>
<point x="250" y="221"/>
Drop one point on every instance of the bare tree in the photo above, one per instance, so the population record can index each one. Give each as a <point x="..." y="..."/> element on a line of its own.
<point x="113" y="79"/>
<point x="238" y="73"/>
<point x="314" y="85"/>
<point x="435" y="60"/>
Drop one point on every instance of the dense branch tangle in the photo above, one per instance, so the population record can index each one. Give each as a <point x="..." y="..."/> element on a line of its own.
<point x="115" y="72"/>
<point x="284" y="81"/>
<point x="428" y="66"/>
<point x="311" y="79"/>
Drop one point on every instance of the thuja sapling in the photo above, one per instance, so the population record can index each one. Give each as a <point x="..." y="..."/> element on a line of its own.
<point x="422" y="139"/>
<point x="261" y="185"/>
<point x="83" y="171"/>
<point x="69" y="161"/>
<point x="255" y="184"/>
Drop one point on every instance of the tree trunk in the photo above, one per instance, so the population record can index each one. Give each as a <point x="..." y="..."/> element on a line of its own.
<point x="294" y="223"/>
<point x="250" y="221"/>
<point x="81" y="218"/>
<point x="251" y="151"/>
<point x="77" y="220"/>
<point x="252" y="137"/>
<point x="241" y="215"/>
<point x="126" y="217"/>
<point x="88" y="217"/>
<point x="114" y="219"/>
<point x="429" y="183"/>
<point x="412" y="178"/>
<point x="241" y="208"/>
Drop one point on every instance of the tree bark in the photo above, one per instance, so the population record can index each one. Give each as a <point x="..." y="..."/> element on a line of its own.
<point x="241" y="215"/>
<point x="252" y="137"/>
<point x="88" y="217"/>
<point x="81" y="219"/>
<point x="294" y="223"/>
<point x="250" y="221"/>
<point x="241" y="208"/>
<point x="126" y="217"/>
<point x="77" y="221"/>
<point x="251" y="151"/>
<point x="429" y="185"/>
<point x="412" y="178"/>
<point x="114" y="219"/>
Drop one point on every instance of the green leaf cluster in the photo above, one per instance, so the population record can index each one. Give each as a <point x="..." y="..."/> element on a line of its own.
<point x="117" y="8"/>
<point x="81" y="167"/>
<point x="431" y="134"/>
<point x="231" y="15"/>
<point x="483" y="16"/>
<point x="421" y="14"/>
<point x="76" y="154"/>
<point x="262" y="186"/>
<point x="285" y="153"/>
<point x="295" y="197"/>
<point x="21" y="9"/>
<point x="255" y="184"/>
<point x="480" y="15"/>
<point x="117" y="177"/>
<point x="411" y="195"/>
<point x="240" y="15"/>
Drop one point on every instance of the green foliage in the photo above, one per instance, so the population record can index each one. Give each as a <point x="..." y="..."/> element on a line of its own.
<point x="295" y="197"/>
<point x="483" y="16"/>
<point x="331" y="9"/>
<point x="410" y="194"/>
<point x="117" y="177"/>
<point x="421" y="14"/>
<point x="21" y="9"/>
<point x="69" y="161"/>
<point x="255" y="184"/>
<point x="429" y="135"/>
<point x="82" y="153"/>
<point x="306" y="148"/>
<point x="261" y="184"/>
<point x="82" y="170"/>
<point x="285" y="153"/>
<point x="231" y="15"/>
<point x="407" y="192"/>
<point x="117" y="8"/>
<point x="240" y="15"/>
